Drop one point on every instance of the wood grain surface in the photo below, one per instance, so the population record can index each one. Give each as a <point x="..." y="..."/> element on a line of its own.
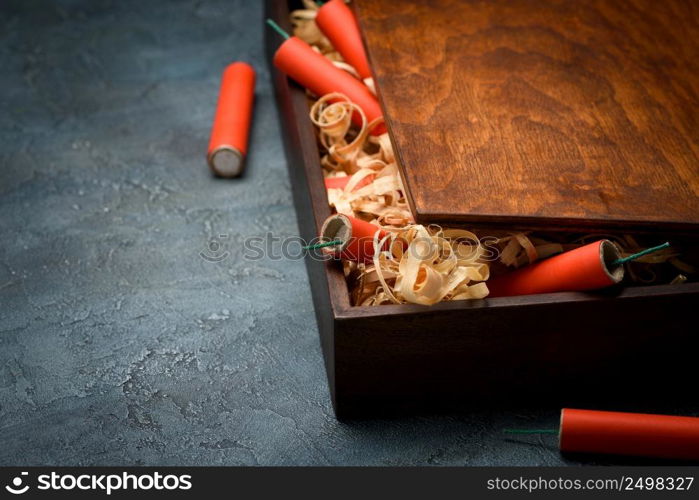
<point x="542" y="113"/>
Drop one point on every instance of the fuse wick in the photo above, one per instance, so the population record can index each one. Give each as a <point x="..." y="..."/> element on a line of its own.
<point x="635" y="256"/>
<point x="277" y="28"/>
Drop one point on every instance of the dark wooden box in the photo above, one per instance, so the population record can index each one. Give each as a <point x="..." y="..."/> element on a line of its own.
<point x="570" y="348"/>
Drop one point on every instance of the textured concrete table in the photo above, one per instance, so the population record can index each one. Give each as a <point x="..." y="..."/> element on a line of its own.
<point x="133" y="330"/>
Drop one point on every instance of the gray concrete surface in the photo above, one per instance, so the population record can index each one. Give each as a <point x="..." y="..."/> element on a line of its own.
<point x="119" y="343"/>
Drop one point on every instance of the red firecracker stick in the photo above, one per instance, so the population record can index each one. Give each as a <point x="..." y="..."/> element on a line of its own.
<point x="337" y="22"/>
<point x="298" y="60"/>
<point x="229" y="135"/>
<point x="637" y="434"/>
<point x="356" y="237"/>
<point x="589" y="267"/>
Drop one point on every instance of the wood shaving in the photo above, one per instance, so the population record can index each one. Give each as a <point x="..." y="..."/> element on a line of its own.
<point x="361" y="156"/>
<point x="305" y="27"/>
<point x="424" y="265"/>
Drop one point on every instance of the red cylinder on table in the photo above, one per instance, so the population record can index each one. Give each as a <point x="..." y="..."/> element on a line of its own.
<point x="337" y="22"/>
<point x="357" y="237"/>
<point x="298" y="60"/>
<point x="637" y="434"/>
<point x="229" y="136"/>
<point x="589" y="267"/>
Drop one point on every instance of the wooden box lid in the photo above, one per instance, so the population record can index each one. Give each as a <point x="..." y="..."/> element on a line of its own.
<point x="542" y="113"/>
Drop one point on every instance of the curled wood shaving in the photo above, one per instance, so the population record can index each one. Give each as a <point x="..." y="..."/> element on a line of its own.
<point x="362" y="156"/>
<point x="332" y="114"/>
<point x="346" y="67"/>
<point x="519" y="249"/>
<point x="305" y="27"/>
<point x="424" y="266"/>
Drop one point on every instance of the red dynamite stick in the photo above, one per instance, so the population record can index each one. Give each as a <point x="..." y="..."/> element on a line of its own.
<point x="589" y="267"/>
<point x="229" y="135"/>
<point x="637" y="434"/>
<point x="357" y="237"/>
<point x="341" y="182"/>
<point x="337" y="22"/>
<point x="298" y="60"/>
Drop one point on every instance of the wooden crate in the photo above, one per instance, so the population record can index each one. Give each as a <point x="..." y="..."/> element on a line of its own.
<point x="564" y="348"/>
